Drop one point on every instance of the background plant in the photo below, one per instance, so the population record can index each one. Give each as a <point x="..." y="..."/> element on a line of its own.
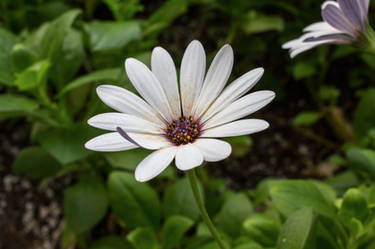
<point x="54" y="53"/>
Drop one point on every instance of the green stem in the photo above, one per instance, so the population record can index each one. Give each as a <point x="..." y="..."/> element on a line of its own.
<point x="194" y="186"/>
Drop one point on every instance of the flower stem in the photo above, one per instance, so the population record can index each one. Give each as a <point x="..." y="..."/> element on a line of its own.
<point x="198" y="198"/>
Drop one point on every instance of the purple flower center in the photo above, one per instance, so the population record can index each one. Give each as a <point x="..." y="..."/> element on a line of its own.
<point x="183" y="130"/>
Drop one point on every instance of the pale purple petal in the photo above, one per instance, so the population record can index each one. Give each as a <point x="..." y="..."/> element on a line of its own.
<point x="352" y="11"/>
<point x="334" y="17"/>
<point x="336" y="38"/>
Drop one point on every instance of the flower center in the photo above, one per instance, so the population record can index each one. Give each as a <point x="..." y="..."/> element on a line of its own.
<point x="183" y="130"/>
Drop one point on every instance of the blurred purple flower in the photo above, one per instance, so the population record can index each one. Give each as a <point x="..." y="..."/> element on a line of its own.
<point x="345" y="22"/>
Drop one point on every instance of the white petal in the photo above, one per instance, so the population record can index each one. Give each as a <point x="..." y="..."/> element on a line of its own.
<point x="310" y="45"/>
<point x="320" y="26"/>
<point x="129" y="123"/>
<point x="148" y="87"/>
<point x="165" y="71"/>
<point x="330" y="2"/>
<point x="213" y="150"/>
<point x="237" y="128"/>
<point x="125" y="101"/>
<point x="234" y="91"/>
<point x="193" y="66"/>
<point x="109" y="142"/>
<point x="188" y="157"/>
<point x="148" y="141"/>
<point x="215" y="80"/>
<point x="241" y="108"/>
<point x="154" y="164"/>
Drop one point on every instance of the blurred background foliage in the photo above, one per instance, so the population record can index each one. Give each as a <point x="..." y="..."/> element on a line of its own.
<point x="53" y="53"/>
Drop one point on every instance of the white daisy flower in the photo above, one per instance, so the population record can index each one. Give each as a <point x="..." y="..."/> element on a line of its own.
<point x="179" y="121"/>
<point x="345" y="22"/>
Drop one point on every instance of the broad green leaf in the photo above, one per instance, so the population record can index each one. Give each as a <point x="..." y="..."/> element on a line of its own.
<point x="303" y="70"/>
<point x="51" y="36"/>
<point x="354" y="205"/>
<point x="35" y="163"/>
<point x="112" y="35"/>
<point x="123" y="10"/>
<point x="85" y="203"/>
<point x="179" y="200"/>
<point x="291" y="195"/>
<point x="232" y="214"/>
<point x="33" y="76"/>
<point x="134" y="203"/>
<point x="256" y="23"/>
<point x="262" y="229"/>
<point x="364" y="118"/>
<point x="22" y="57"/>
<point x="143" y="238"/>
<point x="306" y="118"/>
<point x="240" y="145"/>
<point x="7" y="40"/>
<point x="16" y="105"/>
<point x="329" y="93"/>
<point x="362" y="160"/>
<point x="173" y="230"/>
<point x="95" y="77"/>
<point x="111" y="242"/>
<point x="67" y="144"/>
<point x="126" y="159"/>
<point x="297" y="230"/>
<point x="165" y="15"/>
<point x="68" y="64"/>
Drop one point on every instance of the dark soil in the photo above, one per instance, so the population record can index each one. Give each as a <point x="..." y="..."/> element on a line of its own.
<point x="30" y="214"/>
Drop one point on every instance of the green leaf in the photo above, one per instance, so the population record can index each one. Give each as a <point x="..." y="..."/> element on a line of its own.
<point x="112" y="35"/>
<point x="126" y="159"/>
<point x="362" y="160"/>
<point x="95" y="77"/>
<point x="164" y="16"/>
<point x="85" y="203"/>
<point x="173" y="230"/>
<point x="257" y="23"/>
<point x="179" y="200"/>
<point x="232" y="214"/>
<point x="143" y="238"/>
<point x="262" y="229"/>
<point x="16" y="105"/>
<point x="33" y="76"/>
<point x="354" y="205"/>
<point x="68" y="64"/>
<point x="296" y="233"/>
<point x="22" y="57"/>
<point x="329" y="93"/>
<point x="7" y="40"/>
<point x="111" y="242"/>
<point x="35" y="163"/>
<point x="303" y="70"/>
<point x="67" y="144"/>
<point x="364" y="118"/>
<point x="135" y="203"/>
<point x="240" y="145"/>
<point x="306" y="118"/>
<point x="291" y="195"/>
<point x="51" y="37"/>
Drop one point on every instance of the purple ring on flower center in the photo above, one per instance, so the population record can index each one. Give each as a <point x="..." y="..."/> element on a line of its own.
<point x="183" y="130"/>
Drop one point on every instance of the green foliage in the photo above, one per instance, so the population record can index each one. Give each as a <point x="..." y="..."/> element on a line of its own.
<point x="179" y="200"/>
<point x="85" y="203"/>
<point x="36" y="163"/>
<point x="111" y="242"/>
<point x="297" y="230"/>
<point x="306" y="118"/>
<point x="232" y="214"/>
<point x="174" y="229"/>
<point x="53" y="55"/>
<point x="112" y="35"/>
<point x="136" y="204"/>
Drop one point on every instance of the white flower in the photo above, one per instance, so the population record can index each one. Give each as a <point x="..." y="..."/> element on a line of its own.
<point x="181" y="126"/>
<point x="345" y="21"/>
